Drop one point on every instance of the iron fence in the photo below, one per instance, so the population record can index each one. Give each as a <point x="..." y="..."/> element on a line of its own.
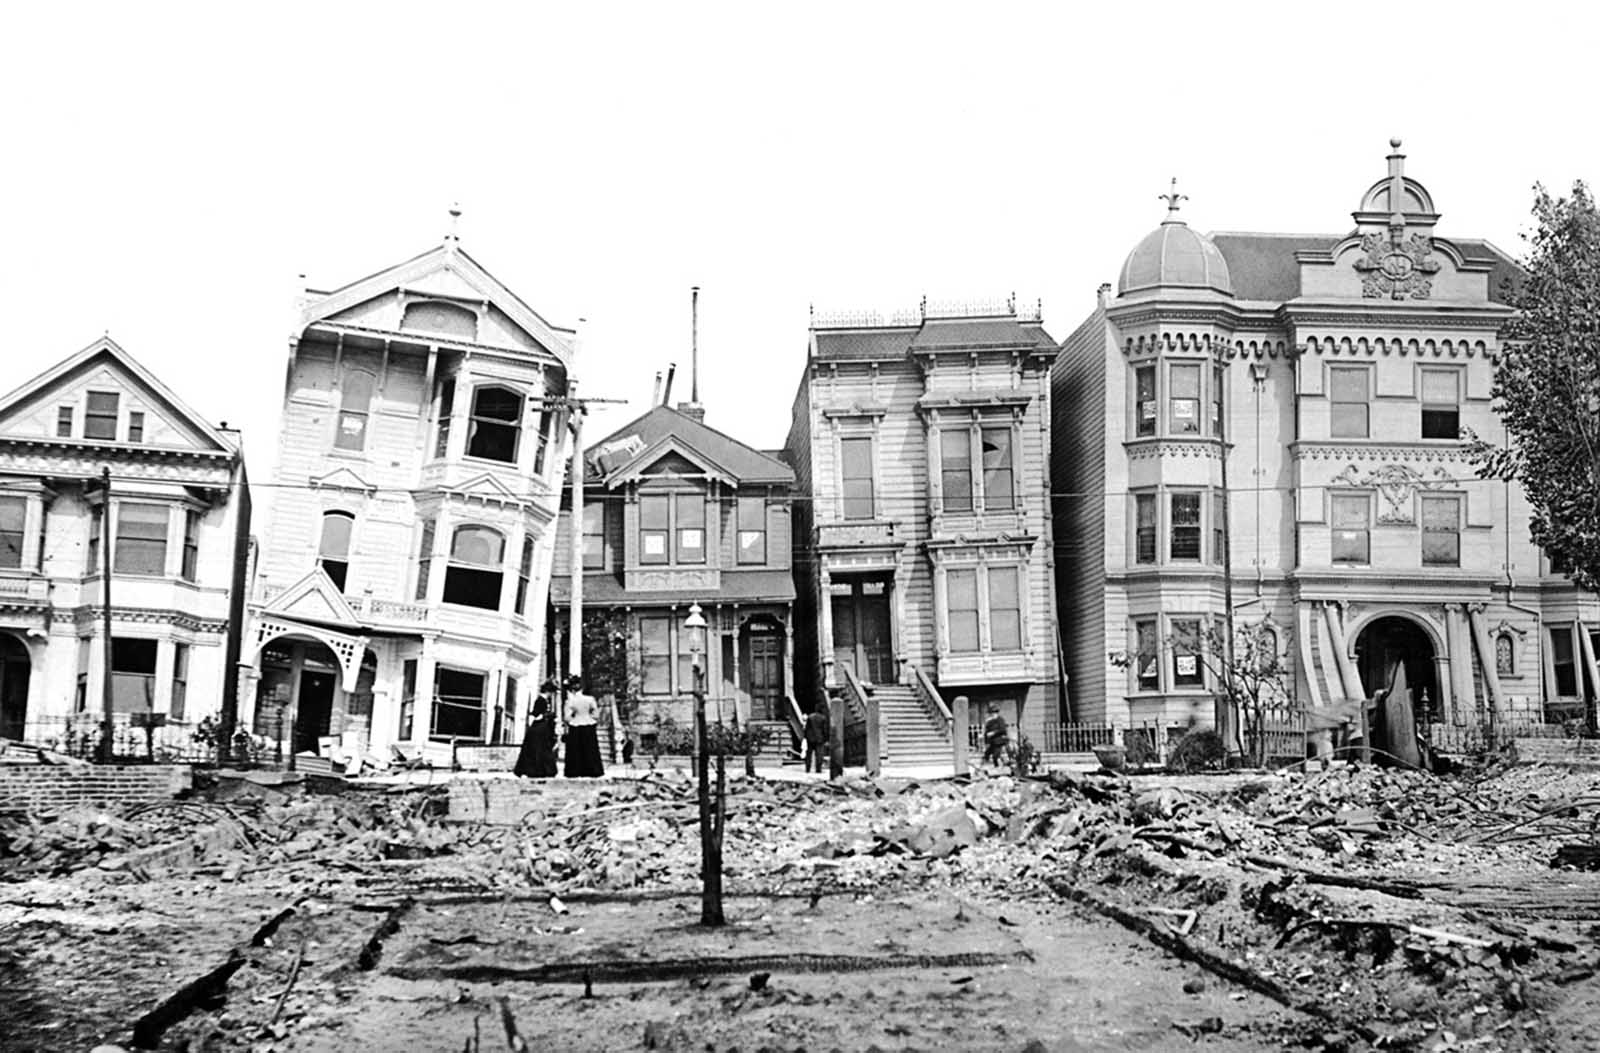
<point x="80" y="735"/>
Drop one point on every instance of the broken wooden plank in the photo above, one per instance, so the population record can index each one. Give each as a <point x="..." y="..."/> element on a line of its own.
<point x="372" y="950"/>
<point x="198" y="993"/>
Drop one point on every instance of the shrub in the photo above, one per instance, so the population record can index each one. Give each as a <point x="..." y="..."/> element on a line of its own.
<point x="1196" y="751"/>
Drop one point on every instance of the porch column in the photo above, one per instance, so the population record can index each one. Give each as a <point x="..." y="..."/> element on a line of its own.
<point x="1491" y="675"/>
<point x="788" y="657"/>
<point x="825" y="618"/>
<point x="439" y="564"/>
<point x="1303" y="622"/>
<point x="740" y="696"/>
<point x="1460" y="660"/>
<point x="422" y="705"/>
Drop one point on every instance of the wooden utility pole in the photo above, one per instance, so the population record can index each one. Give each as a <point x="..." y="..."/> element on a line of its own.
<point x="106" y="685"/>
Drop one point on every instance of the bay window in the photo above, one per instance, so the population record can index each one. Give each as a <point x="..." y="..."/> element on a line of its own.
<point x="13" y="531"/>
<point x="1005" y="610"/>
<point x="955" y="468"/>
<point x="1146" y="656"/>
<point x="457" y="704"/>
<point x="141" y="539"/>
<point x="1185" y="528"/>
<point x="961" y="603"/>
<point x="1144" y="401"/>
<point x="1145" y="528"/>
<point x="983" y="608"/>
<point x="690" y="510"/>
<point x="496" y="424"/>
<point x="473" y="577"/>
<point x="1183" y="398"/>
<point x="1187" y="670"/>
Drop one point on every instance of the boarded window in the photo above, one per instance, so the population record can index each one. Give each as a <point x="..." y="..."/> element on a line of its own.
<point x="1183" y="399"/>
<point x="496" y="425"/>
<point x="1352" y="524"/>
<point x="100" y="420"/>
<point x="1441" y="530"/>
<point x="457" y="705"/>
<point x="955" y="469"/>
<point x="133" y="675"/>
<point x="855" y="477"/>
<point x="1185" y="527"/>
<point x="690" y="510"/>
<point x="961" y="592"/>
<point x="655" y="526"/>
<point x="752" y="530"/>
<point x="999" y="474"/>
<point x="355" y="405"/>
<point x="1441" y="404"/>
<point x="333" y="553"/>
<point x="1145" y="528"/>
<point x="1144" y="400"/>
<point x="655" y="656"/>
<point x="1348" y="400"/>
<point x="141" y="539"/>
<point x="1005" y="609"/>
<point x="13" y="525"/>
<point x="474" y="575"/>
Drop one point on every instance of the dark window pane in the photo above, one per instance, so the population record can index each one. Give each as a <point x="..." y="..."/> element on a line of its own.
<point x="100" y="421"/>
<point x="1145" y="400"/>
<point x="13" y="516"/>
<point x="1144" y="547"/>
<point x="1185" y="527"/>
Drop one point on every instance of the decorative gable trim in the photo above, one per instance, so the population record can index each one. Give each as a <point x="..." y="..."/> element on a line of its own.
<point x="634" y="469"/>
<point x="345" y="479"/>
<point x="314" y="598"/>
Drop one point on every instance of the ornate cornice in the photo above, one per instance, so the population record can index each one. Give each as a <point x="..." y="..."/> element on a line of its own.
<point x="1395" y="345"/>
<point x="86" y="617"/>
<point x="83" y="461"/>
<point x="1195" y="448"/>
<point x="1454" y="452"/>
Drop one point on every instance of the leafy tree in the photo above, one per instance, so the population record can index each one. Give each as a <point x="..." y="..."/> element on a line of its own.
<point x="607" y="664"/>
<point x="1547" y="385"/>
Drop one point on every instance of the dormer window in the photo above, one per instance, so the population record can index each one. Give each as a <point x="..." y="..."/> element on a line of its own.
<point x="100" y="420"/>
<point x="496" y="424"/>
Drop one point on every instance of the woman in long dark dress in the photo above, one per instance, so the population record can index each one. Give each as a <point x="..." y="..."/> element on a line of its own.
<point x="537" y="758"/>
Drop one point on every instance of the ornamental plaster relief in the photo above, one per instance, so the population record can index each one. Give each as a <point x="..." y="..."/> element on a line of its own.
<point x="1396" y="485"/>
<point x="1195" y="450"/>
<point x="1357" y="451"/>
<point x="178" y="468"/>
<point x="1396" y="269"/>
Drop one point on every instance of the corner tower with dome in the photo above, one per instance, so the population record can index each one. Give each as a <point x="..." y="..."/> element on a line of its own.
<point x="1292" y="406"/>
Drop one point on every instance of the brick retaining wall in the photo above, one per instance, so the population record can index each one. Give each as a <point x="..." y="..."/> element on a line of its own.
<point x="1578" y="753"/>
<point x="56" y="788"/>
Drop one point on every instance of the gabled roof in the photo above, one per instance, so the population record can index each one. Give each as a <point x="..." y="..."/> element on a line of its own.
<point x="645" y="439"/>
<point x="448" y="271"/>
<point x="106" y="351"/>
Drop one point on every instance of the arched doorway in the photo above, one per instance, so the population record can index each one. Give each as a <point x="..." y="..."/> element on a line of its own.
<point x="15" y="669"/>
<point x="298" y="686"/>
<point x="1393" y="640"/>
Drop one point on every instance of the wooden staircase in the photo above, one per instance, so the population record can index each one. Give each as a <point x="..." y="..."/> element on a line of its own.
<point x="909" y="735"/>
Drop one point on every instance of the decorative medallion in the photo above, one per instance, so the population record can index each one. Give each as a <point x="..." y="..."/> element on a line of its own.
<point x="1397" y="269"/>
<point x="1395" y="484"/>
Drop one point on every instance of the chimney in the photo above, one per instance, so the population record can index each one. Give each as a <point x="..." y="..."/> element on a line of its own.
<point x="1103" y="293"/>
<point x="692" y="409"/>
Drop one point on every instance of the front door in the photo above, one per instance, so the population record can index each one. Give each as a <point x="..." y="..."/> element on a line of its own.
<point x="861" y="630"/>
<point x="764" y="676"/>
<point x="15" y="670"/>
<point x="314" y="710"/>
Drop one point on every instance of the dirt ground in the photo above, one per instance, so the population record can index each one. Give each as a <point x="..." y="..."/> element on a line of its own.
<point x="1341" y="913"/>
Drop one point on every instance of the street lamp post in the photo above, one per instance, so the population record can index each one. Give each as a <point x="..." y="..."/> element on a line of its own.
<point x="710" y="820"/>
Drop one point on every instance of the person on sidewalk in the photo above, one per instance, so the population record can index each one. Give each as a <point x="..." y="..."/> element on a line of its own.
<point x="583" y="738"/>
<point x="816" y="733"/>
<point x="537" y="758"/>
<point x="996" y="737"/>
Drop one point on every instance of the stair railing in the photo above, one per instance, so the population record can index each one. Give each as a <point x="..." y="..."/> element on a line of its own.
<point x="933" y="703"/>
<point x="797" y="723"/>
<point x="864" y="708"/>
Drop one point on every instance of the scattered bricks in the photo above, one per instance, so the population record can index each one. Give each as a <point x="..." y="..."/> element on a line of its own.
<point x="1574" y="753"/>
<point x="48" y="788"/>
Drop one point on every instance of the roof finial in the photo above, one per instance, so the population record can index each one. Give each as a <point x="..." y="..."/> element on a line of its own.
<point x="1397" y="187"/>
<point x="453" y="235"/>
<point x="1172" y="198"/>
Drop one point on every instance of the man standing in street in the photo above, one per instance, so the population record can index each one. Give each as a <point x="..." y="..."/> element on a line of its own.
<point x="996" y="737"/>
<point x="816" y="733"/>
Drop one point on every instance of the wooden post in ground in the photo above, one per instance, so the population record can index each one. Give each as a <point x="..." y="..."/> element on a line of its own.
<point x="960" y="712"/>
<point x="874" y="736"/>
<point x="835" y="735"/>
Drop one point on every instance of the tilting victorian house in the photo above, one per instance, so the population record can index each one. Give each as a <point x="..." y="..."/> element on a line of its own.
<point x="401" y="590"/>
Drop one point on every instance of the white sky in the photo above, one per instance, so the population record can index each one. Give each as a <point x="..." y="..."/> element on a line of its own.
<point x="170" y="169"/>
